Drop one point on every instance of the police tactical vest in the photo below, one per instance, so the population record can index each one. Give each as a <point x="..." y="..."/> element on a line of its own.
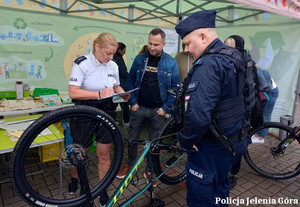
<point x="246" y="106"/>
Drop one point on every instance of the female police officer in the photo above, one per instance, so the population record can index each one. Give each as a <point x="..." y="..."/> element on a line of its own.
<point x="95" y="76"/>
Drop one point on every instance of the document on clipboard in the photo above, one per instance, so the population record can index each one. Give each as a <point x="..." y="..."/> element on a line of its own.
<point x="120" y="94"/>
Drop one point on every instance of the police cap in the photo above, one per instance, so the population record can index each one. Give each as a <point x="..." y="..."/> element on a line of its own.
<point x="201" y="19"/>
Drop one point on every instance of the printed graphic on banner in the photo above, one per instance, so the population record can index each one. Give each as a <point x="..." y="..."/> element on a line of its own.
<point x="20" y="33"/>
<point x="14" y="68"/>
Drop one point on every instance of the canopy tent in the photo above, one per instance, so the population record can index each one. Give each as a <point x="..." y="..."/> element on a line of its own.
<point x="289" y="8"/>
<point x="168" y="11"/>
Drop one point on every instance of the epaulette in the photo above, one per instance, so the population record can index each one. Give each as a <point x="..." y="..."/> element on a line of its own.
<point x="80" y="59"/>
<point x="199" y="61"/>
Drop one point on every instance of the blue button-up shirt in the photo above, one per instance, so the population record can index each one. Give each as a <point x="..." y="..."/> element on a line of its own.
<point x="168" y="78"/>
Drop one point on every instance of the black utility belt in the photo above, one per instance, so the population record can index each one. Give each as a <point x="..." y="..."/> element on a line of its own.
<point x="101" y="104"/>
<point x="232" y="138"/>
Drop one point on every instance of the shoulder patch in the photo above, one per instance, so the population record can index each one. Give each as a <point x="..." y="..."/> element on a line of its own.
<point x="80" y="59"/>
<point x="192" y="85"/>
<point x="199" y="61"/>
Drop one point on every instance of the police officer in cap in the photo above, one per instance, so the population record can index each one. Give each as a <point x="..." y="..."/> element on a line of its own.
<point x="211" y="80"/>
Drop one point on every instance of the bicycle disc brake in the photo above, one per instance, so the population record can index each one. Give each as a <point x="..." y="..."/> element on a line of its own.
<point x="74" y="155"/>
<point x="279" y="150"/>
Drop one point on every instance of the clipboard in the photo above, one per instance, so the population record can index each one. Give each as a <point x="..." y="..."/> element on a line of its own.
<point x="119" y="94"/>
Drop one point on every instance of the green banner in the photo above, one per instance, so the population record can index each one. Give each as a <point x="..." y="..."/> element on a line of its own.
<point x="39" y="49"/>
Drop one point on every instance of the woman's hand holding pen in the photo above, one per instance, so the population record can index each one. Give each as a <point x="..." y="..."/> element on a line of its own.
<point x="106" y="92"/>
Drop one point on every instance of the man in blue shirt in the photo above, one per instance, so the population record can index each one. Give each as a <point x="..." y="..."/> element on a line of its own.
<point x="154" y="72"/>
<point x="211" y="80"/>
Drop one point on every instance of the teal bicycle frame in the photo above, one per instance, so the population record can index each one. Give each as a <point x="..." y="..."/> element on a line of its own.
<point x="133" y="170"/>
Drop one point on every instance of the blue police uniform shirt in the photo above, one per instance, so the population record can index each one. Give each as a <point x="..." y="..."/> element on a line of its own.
<point x="211" y="80"/>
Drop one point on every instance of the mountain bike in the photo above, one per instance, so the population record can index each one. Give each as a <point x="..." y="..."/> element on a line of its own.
<point x="277" y="156"/>
<point x="45" y="183"/>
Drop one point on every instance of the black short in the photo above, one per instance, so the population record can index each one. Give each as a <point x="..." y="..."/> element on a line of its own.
<point x="84" y="129"/>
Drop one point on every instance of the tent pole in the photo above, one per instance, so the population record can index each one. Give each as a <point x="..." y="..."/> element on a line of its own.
<point x="63" y="4"/>
<point x="297" y="93"/>
<point x="179" y="19"/>
<point x="130" y="13"/>
<point x="230" y="15"/>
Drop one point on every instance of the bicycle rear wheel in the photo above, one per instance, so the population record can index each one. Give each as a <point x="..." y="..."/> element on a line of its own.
<point x="278" y="156"/>
<point x="49" y="186"/>
<point x="164" y="157"/>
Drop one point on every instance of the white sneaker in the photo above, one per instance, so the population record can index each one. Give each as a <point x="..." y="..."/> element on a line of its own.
<point x="255" y="139"/>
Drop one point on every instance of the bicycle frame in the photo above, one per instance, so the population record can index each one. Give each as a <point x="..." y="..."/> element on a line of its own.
<point x="133" y="170"/>
<point x="298" y="132"/>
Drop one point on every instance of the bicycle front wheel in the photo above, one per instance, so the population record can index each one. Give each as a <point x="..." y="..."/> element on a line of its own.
<point x="278" y="156"/>
<point x="43" y="180"/>
<point x="165" y="157"/>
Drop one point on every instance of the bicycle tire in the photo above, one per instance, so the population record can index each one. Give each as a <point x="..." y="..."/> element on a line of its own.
<point x="165" y="157"/>
<point x="266" y="161"/>
<point x="43" y="189"/>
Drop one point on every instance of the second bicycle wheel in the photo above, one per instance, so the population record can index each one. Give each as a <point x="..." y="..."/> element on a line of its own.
<point x="43" y="181"/>
<point x="277" y="156"/>
<point x="165" y="157"/>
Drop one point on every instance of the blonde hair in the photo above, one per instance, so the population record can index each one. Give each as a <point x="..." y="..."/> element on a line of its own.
<point x="104" y="40"/>
<point x="144" y="49"/>
<point x="230" y="42"/>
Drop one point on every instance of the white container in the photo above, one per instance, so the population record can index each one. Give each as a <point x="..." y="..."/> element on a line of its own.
<point x="19" y="89"/>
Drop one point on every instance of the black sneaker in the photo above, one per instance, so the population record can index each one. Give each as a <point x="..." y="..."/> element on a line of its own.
<point x="103" y="198"/>
<point x="232" y="179"/>
<point x="171" y="161"/>
<point x="73" y="186"/>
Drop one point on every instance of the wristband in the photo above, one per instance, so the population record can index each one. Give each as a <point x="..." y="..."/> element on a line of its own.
<point x="99" y="93"/>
